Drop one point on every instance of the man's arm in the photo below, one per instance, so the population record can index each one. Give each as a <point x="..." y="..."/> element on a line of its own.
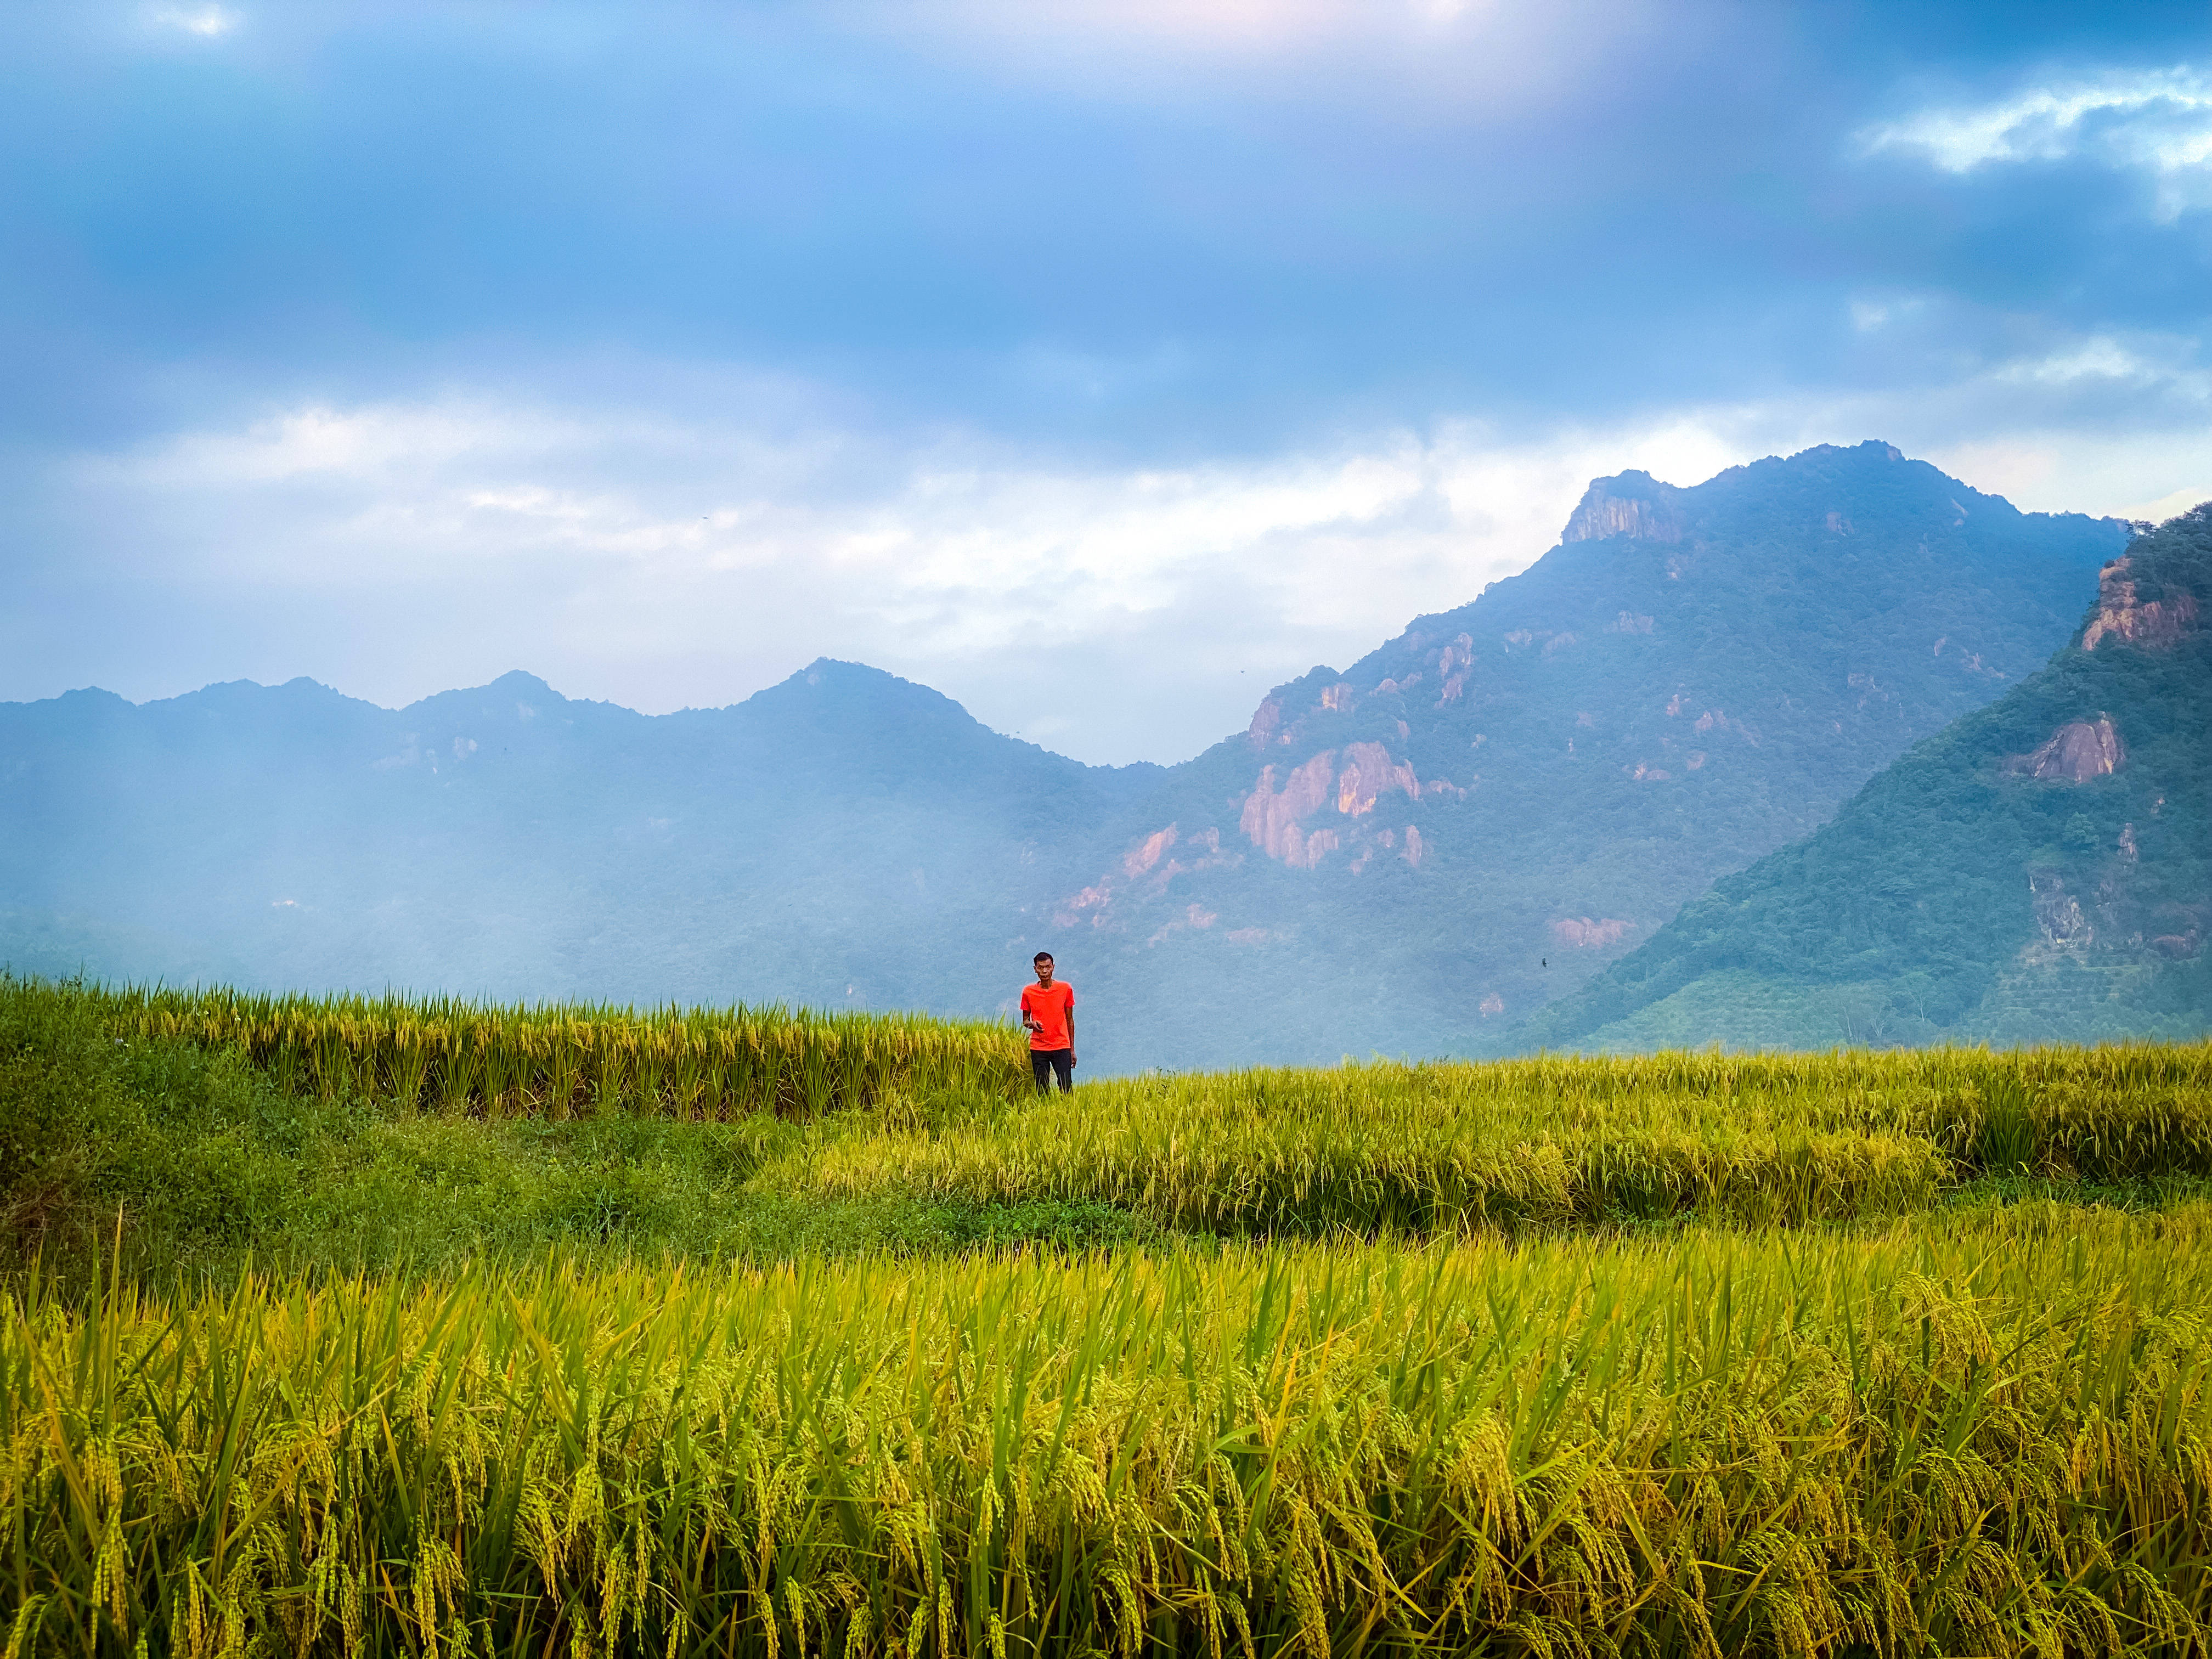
<point x="1071" y="1031"/>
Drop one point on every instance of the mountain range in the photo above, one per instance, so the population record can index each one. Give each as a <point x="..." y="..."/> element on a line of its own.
<point x="1459" y="844"/>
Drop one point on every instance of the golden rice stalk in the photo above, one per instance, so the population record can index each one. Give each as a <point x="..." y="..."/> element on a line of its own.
<point x="1971" y="1435"/>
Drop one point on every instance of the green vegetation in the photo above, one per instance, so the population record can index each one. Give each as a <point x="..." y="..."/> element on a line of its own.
<point x="557" y="1061"/>
<point x="210" y="1161"/>
<point x="1981" y="1436"/>
<point x="1959" y="897"/>
<point x="1557" y="1142"/>
<point x="120" y="1108"/>
<point x="1688" y="1354"/>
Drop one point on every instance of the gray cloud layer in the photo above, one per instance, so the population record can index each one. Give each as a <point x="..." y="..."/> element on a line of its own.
<point x="1098" y="363"/>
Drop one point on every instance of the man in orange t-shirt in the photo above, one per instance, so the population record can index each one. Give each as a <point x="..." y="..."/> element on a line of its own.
<point x="1048" y="1016"/>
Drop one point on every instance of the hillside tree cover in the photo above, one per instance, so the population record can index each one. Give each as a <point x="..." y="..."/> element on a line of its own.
<point x="2041" y="870"/>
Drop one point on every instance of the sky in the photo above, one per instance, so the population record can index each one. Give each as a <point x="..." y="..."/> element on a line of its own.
<point x="1100" y="364"/>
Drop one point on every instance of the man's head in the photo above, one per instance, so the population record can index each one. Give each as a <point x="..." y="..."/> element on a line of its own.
<point x="1042" y="963"/>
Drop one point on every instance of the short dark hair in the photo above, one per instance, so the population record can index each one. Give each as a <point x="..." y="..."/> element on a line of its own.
<point x="1042" y="956"/>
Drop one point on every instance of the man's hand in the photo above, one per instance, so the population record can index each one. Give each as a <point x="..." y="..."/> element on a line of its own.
<point x="1070" y="1059"/>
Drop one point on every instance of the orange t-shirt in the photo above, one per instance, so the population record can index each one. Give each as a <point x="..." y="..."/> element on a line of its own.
<point x="1049" y="1005"/>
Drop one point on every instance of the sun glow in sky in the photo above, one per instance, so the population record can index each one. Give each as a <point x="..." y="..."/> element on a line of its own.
<point x="207" y="22"/>
<point x="1098" y="363"/>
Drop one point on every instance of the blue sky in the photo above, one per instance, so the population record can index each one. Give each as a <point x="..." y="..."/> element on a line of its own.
<point x="1100" y="364"/>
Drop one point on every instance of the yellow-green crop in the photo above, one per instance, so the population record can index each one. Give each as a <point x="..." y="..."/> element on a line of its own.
<point x="449" y="1055"/>
<point x="1987" y="1436"/>
<point x="1552" y="1140"/>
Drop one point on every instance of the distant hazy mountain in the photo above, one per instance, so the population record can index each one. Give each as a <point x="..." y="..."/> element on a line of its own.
<point x="1411" y="855"/>
<point x="844" y="838"/>
<point x="2040" y="871"/>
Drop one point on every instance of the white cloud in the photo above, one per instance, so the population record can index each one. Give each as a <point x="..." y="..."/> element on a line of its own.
<point x="662" y="558"/>
<point x="206" y="21"/>
<point x="661" y="563"/>
<point x="2099" y="357"/>
<point x="2159" y="122"/>
<point x="1871" y="313"/>
<point x="2124" y="475"/>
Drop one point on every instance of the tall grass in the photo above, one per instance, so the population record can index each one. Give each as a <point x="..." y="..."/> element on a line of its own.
<point x="905" y="1113"/>
<point x="448" y="1055"/>
<point x="1984" y="1438"/>
<point x="2106" y="1112"/>
<point x="1551" y="1141"/>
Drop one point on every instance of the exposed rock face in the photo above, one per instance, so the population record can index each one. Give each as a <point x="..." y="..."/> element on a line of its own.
<point x="1271" y="816"/>
<point x="1266" y="721"/>
<point x="1367" y="774"/>
<point x="2076" y="752"/>
<point x="1606" y="510"/>
<point x="2057" y="912"/>
<point x="2152" y="625"/>
<point x="1148" y="853"/>
<point x="1145" y="870"/>
<point x="1582" y="933"/>
<point x="1274" y="819"/>
<point x="1195" y="916"/>
<point x="1091" y="900"/>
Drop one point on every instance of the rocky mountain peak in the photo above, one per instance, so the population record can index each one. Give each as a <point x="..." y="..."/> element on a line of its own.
<point x="1631" y="504"/>
<point x="2135" y="612"/>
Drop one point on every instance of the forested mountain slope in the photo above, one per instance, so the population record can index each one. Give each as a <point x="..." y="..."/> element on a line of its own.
<point x="2039" y="871"/>
<point x="1417" y="853"/>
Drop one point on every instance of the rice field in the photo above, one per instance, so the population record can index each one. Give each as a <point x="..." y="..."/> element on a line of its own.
<point x="1780" y="1136"/>
<point x="1986" y="1437"/>
<point x="1555" y="1141"/>
<point x="560" y="1060"/>
<point x="1391" y="1366"/>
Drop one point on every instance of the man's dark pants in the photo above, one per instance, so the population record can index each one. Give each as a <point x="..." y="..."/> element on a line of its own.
<point x="1062" y="1062"/>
